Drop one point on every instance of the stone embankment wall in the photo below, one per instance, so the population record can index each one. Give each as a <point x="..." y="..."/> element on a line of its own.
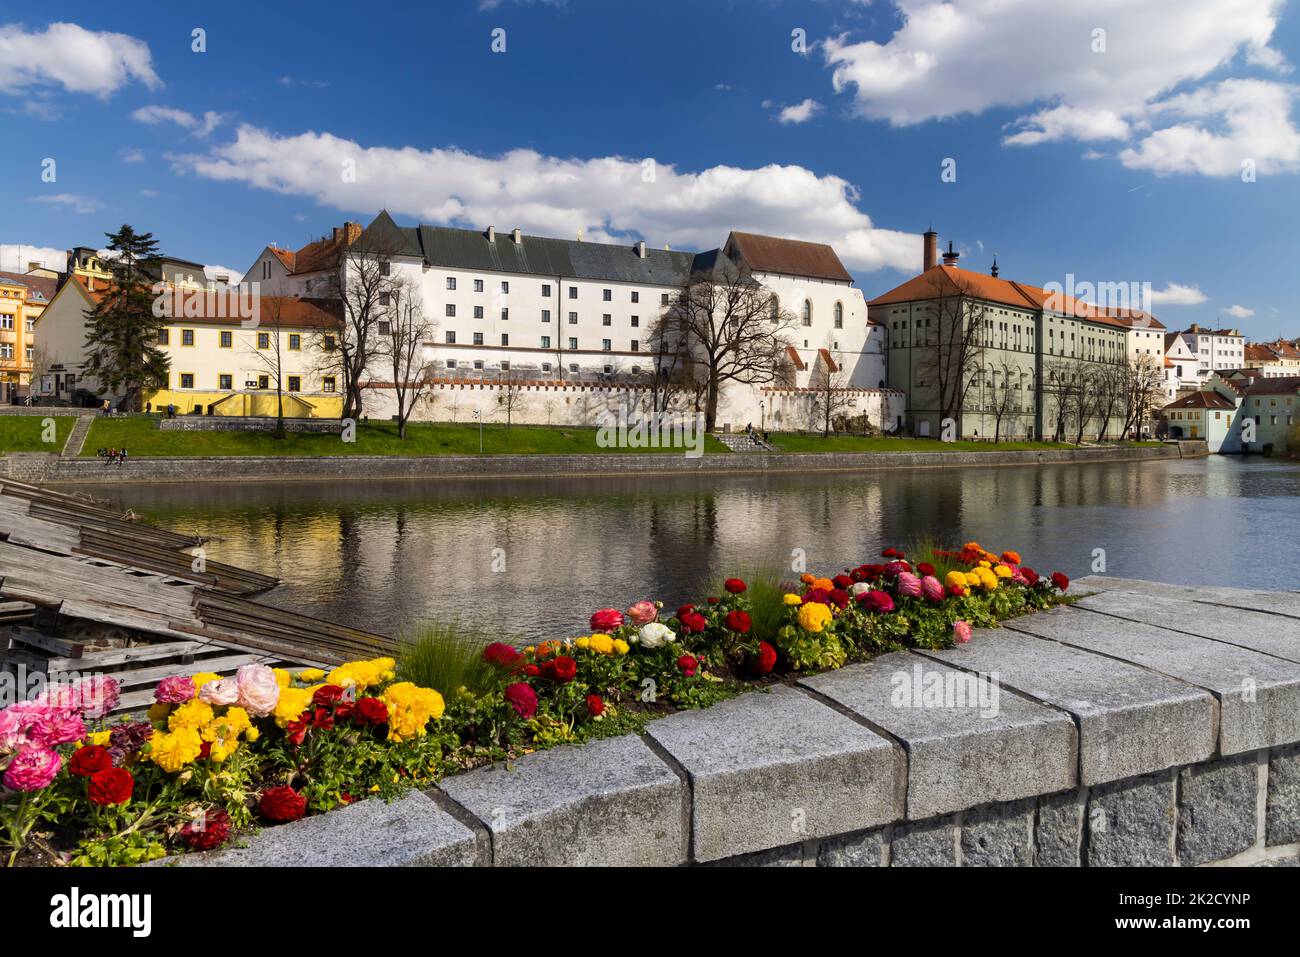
<point x="1147" y="725"/>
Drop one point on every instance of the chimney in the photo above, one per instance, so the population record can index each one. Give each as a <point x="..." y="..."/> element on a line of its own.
<point x="640" y="248"/>
<point x="351" y="232"/>
<point x="517" y="235"/>
<point x="32" y="266"/>
<point x="951" y="256"/>
<point x="338" y="232"/>
<point x="931" y="256"/>
<point x="492" y="234"/>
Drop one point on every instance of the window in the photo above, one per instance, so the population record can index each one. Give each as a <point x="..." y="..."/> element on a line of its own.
<point x="573" y="343"/>
<point x="505" y="286"/>
<point x="450" y="310"/>
<point x="774" y="311"/>
<point x="6" y="350"/>
<point x="329" y="343"/>
<point x="573" y="292"/>
<point x="264" y="382"/>
<point x="187" y="380"/>
<point x="226" y="339"/>
<point x="328" y="384"/>
<point x="187" y="337"/>
<point x="574" y="367"/>
<point x="225" y="381"/>
<point x="295" y="339"/>
<point x="478" y="363"/>
<point x="266" y="269"/>
<point x="807" y="312"/>
<point x="6" y="321"/>
<point x="385" y="268"/>
<point x="478" y="312"/>
<point x="546" y="342"/>
<point x="636" y="322"/>
<point x="505" y="314"/>
<point x="839" y="315"/>
<point x="606" y="345"/>
<point x="163" y="337"/>
<point x="505" y="365"/>
<point x="478" y="338"/>
<point x="505" y="338"/>
<point x="546" y="315"/>
<point x="607" y="295"/>
<point x="263" y="340"/>
<point x="451" y="338"/>
<point x="636" y="346"/>
<point x="663" y="299"/>
<point x="546" y="367"/>
<point x="636" y="296"/>
<point x="451" y="282"/>
<point x="573" y="318"/>
<point x="478" y="285"/>
<point x="295" y="383"/>
<point x="546" y="290"/>
<point x="384" y="298"/>
<point x="451" y="363"/>
<point x="606" y="320"/>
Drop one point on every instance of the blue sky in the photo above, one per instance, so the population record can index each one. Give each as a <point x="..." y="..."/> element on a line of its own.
<point x="1118" y="164"/>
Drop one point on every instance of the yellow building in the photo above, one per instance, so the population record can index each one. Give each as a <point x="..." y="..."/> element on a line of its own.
<point x="22" y="300"/>
<point x="226" y="351"/>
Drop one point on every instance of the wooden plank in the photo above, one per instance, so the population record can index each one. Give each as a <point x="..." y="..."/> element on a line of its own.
<point x="55" y="646"/>
<point x="123" y="656"/>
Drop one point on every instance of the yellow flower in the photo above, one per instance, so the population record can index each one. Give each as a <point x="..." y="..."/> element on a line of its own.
<point x="311" y="674"/>
<point x="173" y="751"/>
<point x="192" y="715"/>
<point x="985" y="564"/>
<point x="1002" y="571"/>
<point x="790" y="599"/>
<point x="583" y="642"/>
<point x="410" y="709"/>
<point x="219" y="753"/>
<point x="602" y="644"/>
<point x="282" y="677"/>
<point x="987" y="579"/>
<point x="973" y="579"/>
<point x="621" y="647"/>
<point x="100" y="738"/>
<point x="158" y="711"/>
<point x="362" y="674"/>
<point x="202" y="678"/>
<point x="955" y="580"/>
<point x="293" y="702"/>
<point x="814" y="616"/>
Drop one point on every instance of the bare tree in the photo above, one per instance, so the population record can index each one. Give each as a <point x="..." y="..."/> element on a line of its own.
<point x="955" y="333"/>
<point x="1060" y="383"/>
<point x="1143" y="393"/>
<point x="364" y="283"/>
<point x="831" y="397"/>
<point x="401" y="335"/>
<point x="510" y="392"/>
<point x="271" y="324"/>
<point x="1004" y="396"/>
<point x="1110" y="386"/>
<point x="730" y="326"/>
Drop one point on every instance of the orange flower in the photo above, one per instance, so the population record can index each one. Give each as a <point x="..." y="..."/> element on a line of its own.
<point x="547" y="648"/>
<point x="807" y="578"/>
<point x="1010" y="557"/>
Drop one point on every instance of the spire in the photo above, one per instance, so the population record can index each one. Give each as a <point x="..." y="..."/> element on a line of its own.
<point x="994" y="271"/>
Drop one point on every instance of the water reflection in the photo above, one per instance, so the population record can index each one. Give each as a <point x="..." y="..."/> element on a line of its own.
<point x="381" y="554"/>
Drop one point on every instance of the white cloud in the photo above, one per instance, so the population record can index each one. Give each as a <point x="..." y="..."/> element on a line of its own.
<point x="155" y="115"/>
<point x="609" y="198"/>
<point x="14" y="257"/>
<point x="78" y="204"/>
<point x="1177" y="294"/>
<point x="1239" y="312"/>
<point x="131" y="155"/>
<point x="79" y="60"/>
<point x="964" y="57"/>
<point x="800" y="112"/>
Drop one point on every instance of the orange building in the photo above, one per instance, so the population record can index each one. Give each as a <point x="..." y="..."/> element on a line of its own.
<point x="22" y="300"/>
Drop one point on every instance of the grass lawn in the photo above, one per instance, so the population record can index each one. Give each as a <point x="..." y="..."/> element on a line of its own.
<point x="140" y="435"/>
<point x="23" y="433"/>
<point x="790" y="442"/>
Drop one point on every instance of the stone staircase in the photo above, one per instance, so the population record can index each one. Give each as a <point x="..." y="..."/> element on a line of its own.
<point x="77" y="437"/>
<point x="740" y="442"/>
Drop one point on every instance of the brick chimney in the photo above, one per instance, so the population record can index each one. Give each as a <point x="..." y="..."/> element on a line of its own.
<point x="351" y="232"/>
<point x="931" y="256"/>
<point x="951" y="256"/>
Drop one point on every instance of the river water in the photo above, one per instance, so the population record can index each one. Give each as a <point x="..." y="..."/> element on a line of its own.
<point x="536" y="556"/>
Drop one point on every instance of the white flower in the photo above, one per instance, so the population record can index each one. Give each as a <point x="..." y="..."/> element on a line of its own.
<point x="223" y="691"/>
<point x="859" y="587"/>
<point x="655" y="634"/>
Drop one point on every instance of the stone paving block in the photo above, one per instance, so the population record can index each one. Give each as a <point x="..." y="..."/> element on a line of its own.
<point x="767" y="767"/>
<point x="413" y="831"/>
<point x="924" y="844"/>
<point x="610" y="802"/>
<point x="977" y="744"/>
<point x="1259" y="695"/>
<point x="1131" y="823"/>
<point x="1058" y="834"/>
<point x="1282" y="804"/>
<point x="1217" y="808"/>
<point x="1131" y="721"/>
<point x="1280" y="602"/>
<point x="1001" y="835"/>
<point x="1272" y="634"/>
<point x="866" y="849"/>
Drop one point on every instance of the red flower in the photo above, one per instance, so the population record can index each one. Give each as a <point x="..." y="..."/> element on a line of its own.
<point x="891" y="552"/>
<point x="957" y="591"/>
<point x="209" y="830"/>
<point x="693" y="621"/>
<point x="561" y="669"/>
<point x="712" y="599"/>
<point x="322" y="719"/>
<point x="819" y="595"/>
<point x="532" y="670"/>
<point x="503" y="656"/>
<point x="296" y="730"/>
<point x="924" y="568"/>
<point x="372" y="711"/>
<point x="595" y="705"/>
<point x="689" y="665"/>
<point x="606" y="620"/>
<point x="523" y="699"/>
<point x="204" y="750"/>
<point x="1060" y="581"/>
<point x="739" y="621"/>
<point x="346" y="797"/>
<point x="684" y="610"/>
<point x="876" y="601"/>
<point x="894" y="568"/>
<point x="110" y="786"/>
<point x="343" y="709"/>
<point x="326" y="695"/>
<point x="842" y="581"/>
<point x="734" y="585"/>
<point x="282" y="804"/>
<point x="839" y="598"/>
<point x="90" y="760"/>
<point x="765" y="660"/>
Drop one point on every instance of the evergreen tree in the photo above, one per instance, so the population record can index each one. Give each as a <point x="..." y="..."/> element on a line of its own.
<point x="122" y="330"/>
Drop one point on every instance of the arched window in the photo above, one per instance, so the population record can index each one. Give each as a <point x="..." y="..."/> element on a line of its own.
<point x="775" y="306"/>
<point x="807" y="312"/>
<point x="839" y="315"/>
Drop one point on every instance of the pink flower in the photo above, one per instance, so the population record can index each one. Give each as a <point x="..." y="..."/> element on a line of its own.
<point x="932" y="589"/>
<point x="13" y="731"/>
<point x="32" y="768"/>
<point x="223" y="691"/>
<point x="97" y="695"/>
<point x="909" y="586"/>
<point x="56" y="728"/>
<point x="961" y="632"/>
<point x="177" y="689"/>
<point x="642" y="613"/>
<point x="877" y="601"/>
<point x="259" y="692"/>
<point x="606" y="620"/>
<point x="895" y="568"/>
<point x="58" y="696"/>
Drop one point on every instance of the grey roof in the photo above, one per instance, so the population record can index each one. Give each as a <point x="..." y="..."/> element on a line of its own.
<point x="471" y="250"/>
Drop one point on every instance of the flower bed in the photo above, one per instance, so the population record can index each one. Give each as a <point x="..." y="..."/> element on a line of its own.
<point x="220" y="755"/>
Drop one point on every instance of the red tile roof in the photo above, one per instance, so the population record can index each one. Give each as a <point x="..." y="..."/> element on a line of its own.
<point x="1282" y="385"/>
<point x="284" y="311"/>
<point x="788" y="257"/>
<point x="1201" y="400"/>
